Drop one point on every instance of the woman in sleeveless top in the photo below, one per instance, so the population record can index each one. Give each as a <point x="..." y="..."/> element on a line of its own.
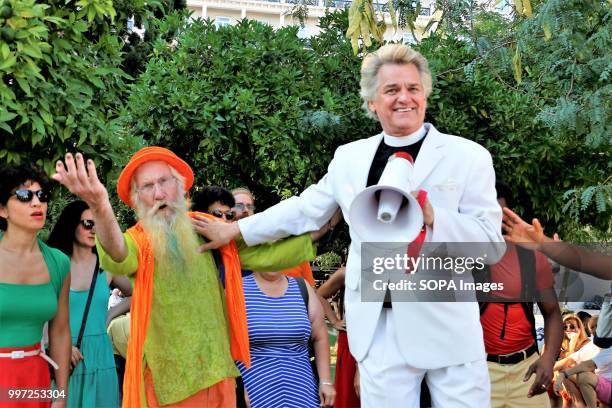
<point x="93" y="382"/>
<point x="34" y="284"/>
<point x="279" y="327"/>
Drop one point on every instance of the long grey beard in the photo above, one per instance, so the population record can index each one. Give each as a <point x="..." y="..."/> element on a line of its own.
<point x="173" y="239"/>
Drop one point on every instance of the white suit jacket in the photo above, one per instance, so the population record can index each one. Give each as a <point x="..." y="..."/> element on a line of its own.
<point x="459" y="178"/>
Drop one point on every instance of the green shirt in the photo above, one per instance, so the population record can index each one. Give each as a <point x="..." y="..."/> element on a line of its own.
<point x="24" y="309"/>
<point x="187" y="345"/>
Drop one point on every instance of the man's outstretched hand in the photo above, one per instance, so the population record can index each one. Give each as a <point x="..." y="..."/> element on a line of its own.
<point x="81" y="179"/>
<point x="218" y="233"/>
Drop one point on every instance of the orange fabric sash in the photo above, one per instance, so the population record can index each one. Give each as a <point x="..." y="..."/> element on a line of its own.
<point x="142" y="294"/>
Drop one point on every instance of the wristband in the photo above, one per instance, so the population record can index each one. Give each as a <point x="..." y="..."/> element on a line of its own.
<point x="325" y="383"/>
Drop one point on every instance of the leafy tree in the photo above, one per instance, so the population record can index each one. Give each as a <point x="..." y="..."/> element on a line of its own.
<point x="248" y="105"/>
<point x="557" y="56"/>
<point x="61" y="85"/>
<point x="245" y="105"/>
<point x="543" y="74"/>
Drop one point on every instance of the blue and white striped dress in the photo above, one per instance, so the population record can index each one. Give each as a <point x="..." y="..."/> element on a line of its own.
<point x="279" y="329"/>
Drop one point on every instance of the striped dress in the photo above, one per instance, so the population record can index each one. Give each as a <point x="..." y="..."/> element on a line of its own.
<point x="279" y="329"/>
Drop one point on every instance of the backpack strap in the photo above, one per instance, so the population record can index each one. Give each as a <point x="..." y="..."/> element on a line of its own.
<point x="311" y="353"/>
<point x="528" y="310"/>
<point x="527" y="262"/>
<point x="481" y="276"/>
<point x="303" y="291"/>
<point x="527" y="265"/>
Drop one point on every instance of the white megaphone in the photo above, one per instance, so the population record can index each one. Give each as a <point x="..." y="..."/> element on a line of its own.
<point x="387" y="212"/>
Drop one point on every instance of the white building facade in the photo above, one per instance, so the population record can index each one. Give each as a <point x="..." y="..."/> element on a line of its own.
<point x="278" y="13"/>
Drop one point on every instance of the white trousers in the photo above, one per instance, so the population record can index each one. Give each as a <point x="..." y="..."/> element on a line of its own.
<point x="386" y="380"/>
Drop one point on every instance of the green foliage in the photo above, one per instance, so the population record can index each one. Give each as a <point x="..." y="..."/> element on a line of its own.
<point x="328" y="261"/>
<point x="565" y="70"/>
<point x="61" y="88"/>
<point x="50" y="83"/>
<point x="247" y="105"/>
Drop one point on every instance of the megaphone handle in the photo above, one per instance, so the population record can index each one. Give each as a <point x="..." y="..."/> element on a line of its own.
<point x="421" y="198"/>
<point x="415" y="246"/>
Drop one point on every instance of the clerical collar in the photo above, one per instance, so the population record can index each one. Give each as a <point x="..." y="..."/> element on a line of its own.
<point x="399" y="141"/>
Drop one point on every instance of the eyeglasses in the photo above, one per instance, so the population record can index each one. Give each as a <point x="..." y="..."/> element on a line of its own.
<point x="87" y="224"/>
<point x="569" y="327"/>
<point x="244" y="207"/>
<point x="25" y="196"/>
<point x="229" y="215"/>
<point x="163" y="183"/>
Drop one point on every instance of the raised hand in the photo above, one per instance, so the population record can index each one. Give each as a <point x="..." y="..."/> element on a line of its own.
<point x="519" y="232"/>
<point x="81" y="179"/>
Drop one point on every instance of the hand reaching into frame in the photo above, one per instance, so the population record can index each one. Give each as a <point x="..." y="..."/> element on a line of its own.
<point x="520" y="232"/>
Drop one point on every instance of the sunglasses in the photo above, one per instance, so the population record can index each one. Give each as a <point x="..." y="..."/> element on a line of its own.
<point x="87" y="224"/>
<point x="229" y="215"/>
<point x="569" y="327"/>
<point x="244" y="207"/>
<point x="25" y="196"/>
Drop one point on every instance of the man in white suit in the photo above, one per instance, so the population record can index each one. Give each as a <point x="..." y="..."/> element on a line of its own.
<point x="397" y="343"/>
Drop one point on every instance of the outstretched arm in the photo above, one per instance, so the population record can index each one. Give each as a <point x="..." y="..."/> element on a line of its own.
<point x="82" y="180"/>
<point x="572" y="256"/>
<point x="295" y="216"/>
<point x="278" y="255"/>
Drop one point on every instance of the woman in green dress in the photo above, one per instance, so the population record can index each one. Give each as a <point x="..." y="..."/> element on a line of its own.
<point x="34" y="283"/>
<point x="93" y="382"/>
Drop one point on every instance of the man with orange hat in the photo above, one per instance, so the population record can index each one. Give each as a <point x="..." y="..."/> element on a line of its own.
<point x="184" y="335"/>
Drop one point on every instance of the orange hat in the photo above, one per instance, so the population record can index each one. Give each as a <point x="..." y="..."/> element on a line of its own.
<point x="149" y="154"/>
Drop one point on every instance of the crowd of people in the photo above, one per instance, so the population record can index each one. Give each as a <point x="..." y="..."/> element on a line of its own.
<point x="223" y="308"/>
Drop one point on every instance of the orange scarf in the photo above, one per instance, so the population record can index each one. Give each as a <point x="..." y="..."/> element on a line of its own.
<point x="133" y="393"/>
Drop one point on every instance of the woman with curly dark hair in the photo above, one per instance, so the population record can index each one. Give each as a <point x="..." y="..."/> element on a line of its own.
<point x="34" y="284"/>
<point x="93" y="382"/>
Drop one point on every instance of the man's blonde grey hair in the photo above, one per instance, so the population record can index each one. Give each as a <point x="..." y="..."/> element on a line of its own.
<point x="399" y="54"/>
<point x="243" y="190"/>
